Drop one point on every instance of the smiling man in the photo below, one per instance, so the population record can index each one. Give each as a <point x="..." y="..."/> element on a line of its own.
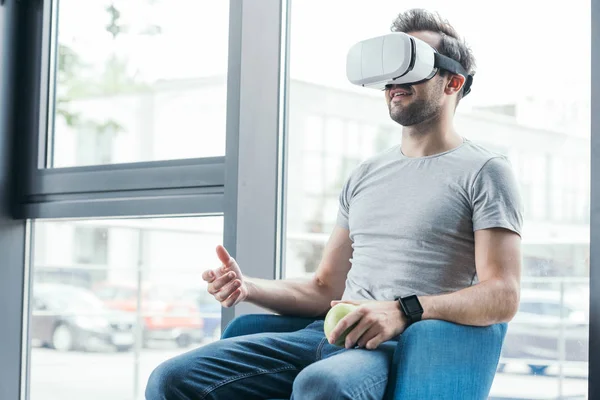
<point x="430" y="229"/>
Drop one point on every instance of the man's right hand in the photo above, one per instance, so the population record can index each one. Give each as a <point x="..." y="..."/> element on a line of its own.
<point x="226" y="283"/>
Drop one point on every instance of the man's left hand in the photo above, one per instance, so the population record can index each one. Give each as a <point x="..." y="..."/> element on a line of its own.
<point x="377" y="322"/>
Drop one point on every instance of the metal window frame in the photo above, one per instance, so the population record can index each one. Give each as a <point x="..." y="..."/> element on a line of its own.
<point x="13" y="233"/>
<point x="594" y="332"/>
<point x="255" y="140"/>
<point x="194" y="186"/>
<point x="151" y="188"/>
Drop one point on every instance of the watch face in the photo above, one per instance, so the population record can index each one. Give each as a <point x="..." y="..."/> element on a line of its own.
<point x="412" y="304"/>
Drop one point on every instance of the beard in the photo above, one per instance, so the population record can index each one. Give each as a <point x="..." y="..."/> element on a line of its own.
<point x="420" y="110"/>
<point x="414" y="113"/>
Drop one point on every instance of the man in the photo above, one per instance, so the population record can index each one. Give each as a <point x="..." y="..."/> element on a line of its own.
<point x="438" y="216"/>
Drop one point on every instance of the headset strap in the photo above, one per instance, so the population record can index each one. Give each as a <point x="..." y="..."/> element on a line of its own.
<point x="453" y="66"/>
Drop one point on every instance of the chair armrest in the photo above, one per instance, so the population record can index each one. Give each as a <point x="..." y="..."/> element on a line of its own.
<point x="258" y="323"/>
<point x="442" y="360"/>
<point x="433" y="360"/>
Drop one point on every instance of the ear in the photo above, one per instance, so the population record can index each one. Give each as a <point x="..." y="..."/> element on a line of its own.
<point x="455" y="84"/>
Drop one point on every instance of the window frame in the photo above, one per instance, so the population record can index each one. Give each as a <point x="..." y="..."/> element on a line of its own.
<point x="594" y="331"/>
<point x="162" y="187"/>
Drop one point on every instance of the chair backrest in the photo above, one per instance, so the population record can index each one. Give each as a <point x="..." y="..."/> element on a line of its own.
<point x="258" y="323"/>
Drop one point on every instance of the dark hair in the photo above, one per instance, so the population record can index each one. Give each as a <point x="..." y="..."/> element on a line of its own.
<point x="451" y="44"/>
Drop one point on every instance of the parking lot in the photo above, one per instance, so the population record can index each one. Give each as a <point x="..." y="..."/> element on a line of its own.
<point x="93" y="376"/>
<point x="101" y="376"/>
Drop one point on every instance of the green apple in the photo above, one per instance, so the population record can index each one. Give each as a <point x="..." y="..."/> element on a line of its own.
<point x="334" y="316"/>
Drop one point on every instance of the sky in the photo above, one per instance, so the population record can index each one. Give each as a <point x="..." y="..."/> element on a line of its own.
<point x="523" y="47"/>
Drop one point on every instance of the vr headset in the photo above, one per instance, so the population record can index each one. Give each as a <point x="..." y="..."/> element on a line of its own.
<point x="398" y="59"/>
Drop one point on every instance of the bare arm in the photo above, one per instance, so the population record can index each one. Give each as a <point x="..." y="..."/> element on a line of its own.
<point x="301" y="297"/>
<point x="496" y="297"/>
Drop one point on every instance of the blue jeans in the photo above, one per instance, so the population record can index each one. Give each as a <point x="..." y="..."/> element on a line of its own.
<point x="300" y="364"/>
<point x="432" y="360"/>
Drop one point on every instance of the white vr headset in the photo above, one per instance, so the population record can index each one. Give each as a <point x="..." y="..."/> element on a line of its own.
<point x="398" y="59"/>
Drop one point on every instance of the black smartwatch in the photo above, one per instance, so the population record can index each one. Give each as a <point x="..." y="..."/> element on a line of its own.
<point x="411" y="306"/>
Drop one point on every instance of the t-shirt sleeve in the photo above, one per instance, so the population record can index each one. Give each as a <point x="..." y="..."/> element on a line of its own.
<point x="345" y="199"/>
<point x="344" y="208"/>
<point x="496" y="199"/>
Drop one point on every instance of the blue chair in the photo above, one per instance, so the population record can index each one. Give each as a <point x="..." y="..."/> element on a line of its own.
<point x="434" y="359"/>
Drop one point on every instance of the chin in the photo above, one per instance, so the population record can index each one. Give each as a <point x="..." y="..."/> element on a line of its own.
<point x="398" y="117"/>
<point x="404" y="121"/>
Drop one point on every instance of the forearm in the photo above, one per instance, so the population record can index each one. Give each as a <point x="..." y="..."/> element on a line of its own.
<point x="484" y="304"/>
<point x="299" y="297"/>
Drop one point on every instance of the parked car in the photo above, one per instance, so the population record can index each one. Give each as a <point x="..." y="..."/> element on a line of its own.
<point x="534" y="334"/>
<point x="165" y="316"/>
<point x="70" y="318"/>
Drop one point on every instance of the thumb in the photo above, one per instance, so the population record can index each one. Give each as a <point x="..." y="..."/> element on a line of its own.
<point x="223" y="255"/>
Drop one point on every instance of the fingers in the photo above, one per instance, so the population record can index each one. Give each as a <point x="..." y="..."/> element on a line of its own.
<point x="357" y="333"/>
<point x="334" y="302"/>
<point x="232" y="300"/>
<point x="209" y="275"/>
<point x="223" y="255"/>
<point x="218" y="283"/>
<point x="227" y="290"/>
<point x="344" y="324"/>
<point x="368" y="335"/>
<point x="375" y="342"/>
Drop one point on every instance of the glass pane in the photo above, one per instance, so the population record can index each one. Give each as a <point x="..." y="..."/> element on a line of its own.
<point x="139" y="80"/>
<point x="111" y="299"/>
<point x="514" y="109"/>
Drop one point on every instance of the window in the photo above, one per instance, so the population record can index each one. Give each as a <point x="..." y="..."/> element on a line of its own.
<point x="530" y="308"/>
<point x="90" y="245"/>
<point x="95" y="145"/>
<point x="140" y="80"/>
<point x="513" y="109"/>
<point x="85" y="316"/>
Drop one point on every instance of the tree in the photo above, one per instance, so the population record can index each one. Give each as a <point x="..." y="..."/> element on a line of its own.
<point x="75" y="79"/>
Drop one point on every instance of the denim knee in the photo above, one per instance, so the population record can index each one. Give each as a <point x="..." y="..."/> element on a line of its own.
<point x="165" y="382"/>
<point x="317" y="384"/>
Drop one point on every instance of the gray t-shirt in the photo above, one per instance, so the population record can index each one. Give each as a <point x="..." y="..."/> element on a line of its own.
<point x="412" y="220"/>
